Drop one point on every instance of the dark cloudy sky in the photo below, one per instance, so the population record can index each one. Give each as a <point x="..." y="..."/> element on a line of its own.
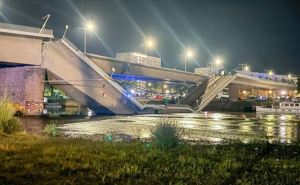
<point x="263" y="33"/>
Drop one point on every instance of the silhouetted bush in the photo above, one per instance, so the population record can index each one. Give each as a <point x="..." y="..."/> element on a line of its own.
<point x="167" y="134"/>
<point x="51" y="130"/>
<point x="8" y="123"/>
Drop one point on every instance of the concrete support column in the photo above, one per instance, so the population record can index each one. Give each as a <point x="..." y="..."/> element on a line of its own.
<point x="25" y="87"/>
<point x="233" y="90"/>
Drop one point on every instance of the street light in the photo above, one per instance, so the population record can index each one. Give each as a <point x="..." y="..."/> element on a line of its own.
<point x="270" y="73"/>
<point x="149" y="43"/>
<point x="247" y="68"/>
<point x="289" y="76"/>
<point x="283" y="92"/>
<point x="132" y="91"/>
<point x="188" y="55"/>
<point x="65" y="32"/>
<point x="218" y="62"/>
<point x="244" y="67"/>
<point x="89" y="26"/>
<point x="112" y="71"/>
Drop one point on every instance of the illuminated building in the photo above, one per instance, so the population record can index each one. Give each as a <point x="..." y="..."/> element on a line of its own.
<point x="140" y="59"/>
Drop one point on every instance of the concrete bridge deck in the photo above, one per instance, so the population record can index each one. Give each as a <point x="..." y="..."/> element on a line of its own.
<point x="245" y="81"/>
<point x="130" y="68"/>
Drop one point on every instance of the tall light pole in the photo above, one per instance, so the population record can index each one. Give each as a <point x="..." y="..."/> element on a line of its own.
<point x="65" y="32"/>
<point x="89" y="26"/>
<point x="188" y="55"/>
<point x="270" y="74"/>
<point x="218" y="61"/>
<point x="245" y="67"/>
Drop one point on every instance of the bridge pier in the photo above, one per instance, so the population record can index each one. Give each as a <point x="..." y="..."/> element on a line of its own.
<point x="233" y="90"/>
<point x="25" y="87"/>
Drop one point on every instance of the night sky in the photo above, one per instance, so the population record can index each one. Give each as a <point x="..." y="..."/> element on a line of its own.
<point x="263" y="33"/>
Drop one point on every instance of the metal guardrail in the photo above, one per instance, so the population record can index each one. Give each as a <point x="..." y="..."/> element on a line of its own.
<point x="84" y="58"/>
<point x="266" y="80"/>
<point x="27" y="29"/>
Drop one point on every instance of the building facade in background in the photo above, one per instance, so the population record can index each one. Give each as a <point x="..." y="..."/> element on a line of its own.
<point x="140" y="59"/>
<point x="210" y="70"/>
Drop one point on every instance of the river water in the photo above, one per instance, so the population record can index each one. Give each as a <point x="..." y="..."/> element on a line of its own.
<point x="204" y="127"/>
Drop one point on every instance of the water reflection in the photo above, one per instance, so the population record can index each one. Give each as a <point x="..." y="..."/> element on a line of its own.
<point x="206" y="127"/>
<point x="66" y="111"/>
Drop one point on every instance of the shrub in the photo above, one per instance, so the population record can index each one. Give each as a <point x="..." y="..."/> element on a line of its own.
<point x="8" y="123"/>
<point x="11" y="126"/>
<point x="51" y="130"/>
<point x="166" y="134"/>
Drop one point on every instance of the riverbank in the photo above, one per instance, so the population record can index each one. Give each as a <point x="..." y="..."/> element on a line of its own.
<point x="27" y="159"/>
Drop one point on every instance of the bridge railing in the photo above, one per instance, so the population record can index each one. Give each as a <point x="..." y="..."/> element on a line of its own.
<point x="79" y="52"/>
<point x="279" y="81"/>
<point x="26" y="29"/>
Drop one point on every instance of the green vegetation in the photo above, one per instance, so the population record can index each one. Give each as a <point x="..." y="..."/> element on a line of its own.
<point x="51" y="130"/>
<point x="28" y="159"/>
<point x="166" y="134"/>
<point x="8" y="123"/>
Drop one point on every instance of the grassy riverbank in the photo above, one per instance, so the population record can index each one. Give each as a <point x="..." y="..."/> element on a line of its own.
<point x="26" y="159"/>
